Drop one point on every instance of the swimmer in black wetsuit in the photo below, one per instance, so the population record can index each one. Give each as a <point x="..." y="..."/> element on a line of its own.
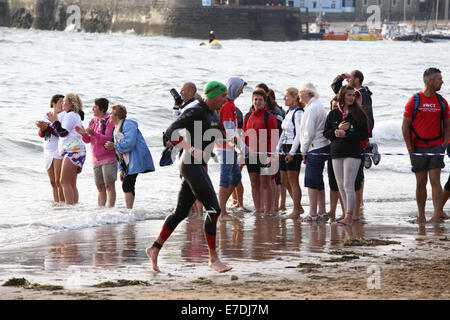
<point x="196" y="183"/>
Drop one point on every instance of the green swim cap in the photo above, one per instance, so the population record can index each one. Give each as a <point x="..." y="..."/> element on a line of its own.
<point x="214" y="88"/>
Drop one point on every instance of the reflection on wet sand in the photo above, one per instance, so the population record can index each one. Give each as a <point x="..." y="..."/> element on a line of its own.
<point x="244" y="238"/>
<point x="269" y="237"/>
<point x="438" y="230"/>
<point x="68" y="249"/>
<point x="106" y="253"/>
<point x="63" y="252"/>
<point x="129" y="250"/>
<point x="194" y="248"/>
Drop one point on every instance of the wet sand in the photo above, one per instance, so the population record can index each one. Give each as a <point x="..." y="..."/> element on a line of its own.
<point x="272" y="258"/>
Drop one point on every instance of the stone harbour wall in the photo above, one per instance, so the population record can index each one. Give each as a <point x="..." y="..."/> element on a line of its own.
<point x="175" y="18"/>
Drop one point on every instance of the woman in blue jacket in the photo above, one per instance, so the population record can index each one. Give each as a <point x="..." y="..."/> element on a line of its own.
<point x="131" y="150"/>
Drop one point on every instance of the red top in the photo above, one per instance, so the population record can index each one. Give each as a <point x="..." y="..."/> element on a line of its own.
<point x="227" y="113"/>
<point x="427" y="122"/>
<point x="254" y="137"/>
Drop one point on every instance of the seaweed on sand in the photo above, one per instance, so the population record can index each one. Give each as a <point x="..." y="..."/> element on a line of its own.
<point x="24" y="283"/>
<point x="368" y="242"/>
<point x="121" y="283"/>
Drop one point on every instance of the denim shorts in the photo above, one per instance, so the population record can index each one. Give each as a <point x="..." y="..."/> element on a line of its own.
<point x="230" y="173"/>
<point x="314" y="168"/>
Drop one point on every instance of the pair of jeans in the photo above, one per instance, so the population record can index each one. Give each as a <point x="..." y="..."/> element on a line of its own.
<point x="230" y="173"/>
<point x="315" y="163"/>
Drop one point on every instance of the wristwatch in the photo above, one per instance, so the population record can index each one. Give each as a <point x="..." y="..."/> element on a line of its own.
<point x="191" y="149"/>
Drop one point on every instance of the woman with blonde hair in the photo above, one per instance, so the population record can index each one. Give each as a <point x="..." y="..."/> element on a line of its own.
<point x="289" y="146"/>
<point x="70" y="145"/>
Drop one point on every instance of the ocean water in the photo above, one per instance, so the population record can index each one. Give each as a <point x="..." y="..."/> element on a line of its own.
<point x="138" y="72"/>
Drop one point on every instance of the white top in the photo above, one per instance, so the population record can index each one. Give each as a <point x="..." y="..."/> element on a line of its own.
<point x="312" y="126"/>
<point x="287" y="135"/>
<point x="69" y="122"/>
<point x="51" y="143"/>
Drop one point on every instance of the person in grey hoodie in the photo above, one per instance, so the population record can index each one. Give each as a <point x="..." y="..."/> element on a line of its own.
<point x="230" y="173"/>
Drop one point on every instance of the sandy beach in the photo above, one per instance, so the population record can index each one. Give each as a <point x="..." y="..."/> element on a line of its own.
<point x="272" y="259"/>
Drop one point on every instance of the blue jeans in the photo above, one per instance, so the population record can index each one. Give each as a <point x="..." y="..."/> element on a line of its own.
<point x="314" y="168"/>
<point x="230" y="173"/>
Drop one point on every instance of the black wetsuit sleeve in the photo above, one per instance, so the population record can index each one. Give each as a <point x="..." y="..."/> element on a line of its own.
<point x="337" y="84"/>
<point x="184" y="120"/>
<point x="60" y="131"/>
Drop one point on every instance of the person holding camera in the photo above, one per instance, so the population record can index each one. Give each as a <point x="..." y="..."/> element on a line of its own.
<point x="184" y="100"/>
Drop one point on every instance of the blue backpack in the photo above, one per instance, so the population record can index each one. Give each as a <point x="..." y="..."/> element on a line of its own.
<point x="416" y="109"/>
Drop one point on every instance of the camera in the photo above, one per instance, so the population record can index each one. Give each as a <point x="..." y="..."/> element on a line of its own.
<point x="176" y="96"/>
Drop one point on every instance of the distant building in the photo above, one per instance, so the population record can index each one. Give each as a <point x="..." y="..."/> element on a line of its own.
<point x="333" y="6"/>
<point x="389" y="9"/>
<point x="397" y="10"/>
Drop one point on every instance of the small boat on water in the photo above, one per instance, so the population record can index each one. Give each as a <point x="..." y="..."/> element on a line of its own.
<point x="342" y="36"/>
<point x="212" y="45"/>
<point x="360" y="32"/>
<point x="438" y="35"/>
<point x="406" y="33"/>
<point x="321" y="31"/>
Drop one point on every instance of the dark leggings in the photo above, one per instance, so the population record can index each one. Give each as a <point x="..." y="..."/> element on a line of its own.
<point x="195" y="184"/>
<point x="129" y="182"/>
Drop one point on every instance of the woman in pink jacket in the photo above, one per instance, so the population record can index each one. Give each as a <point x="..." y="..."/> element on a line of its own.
<point x="99" y="132"/>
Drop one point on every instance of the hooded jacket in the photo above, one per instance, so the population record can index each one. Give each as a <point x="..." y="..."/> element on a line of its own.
<point x="228" y="115"/>
<point x="134" y="143"/>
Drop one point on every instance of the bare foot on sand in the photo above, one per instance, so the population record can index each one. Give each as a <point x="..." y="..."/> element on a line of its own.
<point x="219" y="266"/>
<point x="293" y="215"/>
<point x="152" y="254"/>
<point x="225" y="217"/>
<point x="444" y="216"/>
<point x="420" y="220"/>
<point x="435" y="219"/>
<point x="244" y="209"/>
